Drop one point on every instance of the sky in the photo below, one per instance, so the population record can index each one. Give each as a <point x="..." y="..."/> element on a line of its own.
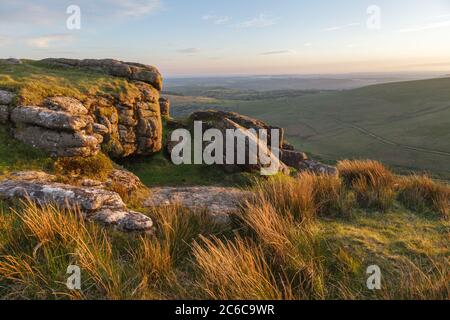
<point x="235" y="37"/>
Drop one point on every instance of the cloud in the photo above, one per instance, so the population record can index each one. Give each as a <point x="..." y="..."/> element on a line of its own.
<point x="261" y="21"/>
<point x="189" y="50"/>
<point x="136" y="8"/>
<point x="335" y="28"/>
<point x="308" y="44"/>
<point x="44" y="42"/>
<point x="15" y="12"/>
<point x="428" y="26"/>
<point x="24" y="12"/>
<point x="270" y="53"/>
<point x="219" y="20"/>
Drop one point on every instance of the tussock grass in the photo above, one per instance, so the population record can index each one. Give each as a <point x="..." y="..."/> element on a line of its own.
<point x="234" y="270"/>
<point x="374" y="185"/>
<point x="421" y="193"/>
<point x="306" y="196"/>
<point x="37" y="244"/>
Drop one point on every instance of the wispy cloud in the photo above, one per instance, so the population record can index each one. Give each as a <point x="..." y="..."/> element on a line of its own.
<point x="219" y="20"/>
<point x="137" y="8"/>
<point x="335" y="28"/>
<point x="189" y="50"/>
<point x="259" y="22"/>
<point x="270" y="53"/>
<point x="15" y="12"/>
<point x="308" y="44"/>
<point x="44" y="42"/>
<point x="428" y="26"/>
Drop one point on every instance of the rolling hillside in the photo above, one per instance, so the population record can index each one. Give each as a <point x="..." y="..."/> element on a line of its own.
<point x="405" y="124"/>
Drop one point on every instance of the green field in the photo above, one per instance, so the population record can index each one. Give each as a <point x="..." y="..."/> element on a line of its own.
<point x="405" y="124"/>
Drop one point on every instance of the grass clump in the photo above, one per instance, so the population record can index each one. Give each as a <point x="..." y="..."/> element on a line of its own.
<point x="234" y="270"/>
<point x="421" y="193"/>
<point x="306" y="196"/>
<point x="374" y="185"/>
<point x="94" y="167"/>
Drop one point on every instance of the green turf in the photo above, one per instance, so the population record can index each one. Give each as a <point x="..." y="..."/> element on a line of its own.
<point x="159" y="171"/>
<point x="33" y="81"/>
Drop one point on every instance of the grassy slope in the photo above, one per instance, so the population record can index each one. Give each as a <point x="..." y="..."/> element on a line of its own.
<point x="33" y="81"/>
<point x="337" y="125"/>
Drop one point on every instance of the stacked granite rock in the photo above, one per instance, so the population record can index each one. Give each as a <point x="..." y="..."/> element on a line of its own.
<point x="66" y="127"/>
<point x="61" y="126"/>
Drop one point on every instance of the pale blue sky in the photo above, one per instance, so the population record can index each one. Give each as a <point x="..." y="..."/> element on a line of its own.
<point x="196" y="37"/>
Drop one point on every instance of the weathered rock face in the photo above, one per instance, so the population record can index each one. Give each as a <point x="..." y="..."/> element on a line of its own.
<point x="103" y="206"/>
<point x="128" y="70"/>
<point x="293" y="158"/>
<point x="62" y="127"/>
<point x="6" y="97"/>
<point x="216" y="201"/>
<point x="164" y="103"/>
<point x="4" y="114"/>
<point x="211" y="116"/>
<point x="318" y="168"/>
<point x="131" y="129"/>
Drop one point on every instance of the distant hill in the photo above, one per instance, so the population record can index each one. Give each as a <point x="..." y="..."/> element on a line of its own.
<point x="404" y="124"/>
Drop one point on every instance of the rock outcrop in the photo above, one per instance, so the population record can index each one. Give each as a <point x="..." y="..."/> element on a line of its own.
<point x="293" y="158"/>
<point x="287" y="156"/>
<point x="11" y="61"/>
<point x="212" y="116"/>
<point x="66" y="127"/>
<point x="318" y="168"/>
<point x="218" y="202"/>
<point x="247" y="129"/>
<point x="97" y="204"/>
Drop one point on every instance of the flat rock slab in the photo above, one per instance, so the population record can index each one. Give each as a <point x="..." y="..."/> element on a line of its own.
<point x="103" y="206"/>
<point x="218" y="201"/>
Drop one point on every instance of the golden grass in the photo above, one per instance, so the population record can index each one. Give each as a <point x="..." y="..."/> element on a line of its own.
<point x="234" y="270"/>
<point x="374" y="185"/>
<point x="421" y="193"/>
